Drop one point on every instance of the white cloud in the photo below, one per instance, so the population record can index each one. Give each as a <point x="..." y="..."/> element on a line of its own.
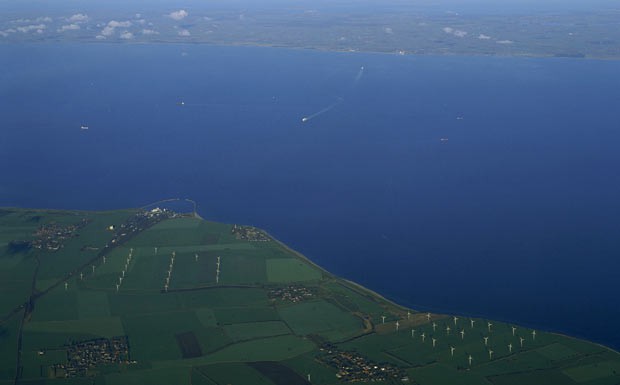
<point x="41" y="19"/>
<point x="482" y="36"/>
<point x="184" y="32"/>
<point x="100" y="37"/>
<point x="127" y="35"/>
<point x="505" y="42"/>
<point x="388" y="30"/>
<point x="455" y="32"/>
<point x="107" y="31"/>
<point x="78" y="17"/>
<point x="32" y="27"/>
<point x="178" y="15"/>
<point x="138" y="15"/>
<point x="116" y="24"/>
<point x="110" y="29"/>
<point x="149" y="32"/>
<point x="68" y="27"/>
<point x="3" y="34"/>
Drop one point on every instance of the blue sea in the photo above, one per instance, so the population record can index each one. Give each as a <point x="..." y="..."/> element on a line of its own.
<point x="514" y="215"/>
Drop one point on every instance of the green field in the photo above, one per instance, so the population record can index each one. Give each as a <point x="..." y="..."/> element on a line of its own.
<point x="235" y="330"/>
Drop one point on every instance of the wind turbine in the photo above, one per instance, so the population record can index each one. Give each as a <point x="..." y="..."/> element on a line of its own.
<point x="123" y="273"/>
<point x="463" y="334"/>
<point x="521" y="339"/>
<point x="448" y="330"/>
<point x="397" y="325"/>
<point x="470" y="358"/>
<point x="117" y="286"/>
<point x="81" y="276"/>
<point x="120" y="280"/>
<point x="428" y="316"/>
<point x="490" y="354"/>
<point x="455" y="319"/>
<point x="472" y="322"/>
<point x="93" y="269"/>
<point x="155" y="250"/>
<point x="196" y="257"/>
<point x="66" y="285"/>
<point x="486" y="340"/>
<point x="452" y="351"/>
<point x="166" y="288"/>
<point x="412" y="333"/>
<point x="489" y="324"/>
<point x="383" y="319"/>
<point x="514" y="329"/>
<point x="434" y="341"/>
<point x="104" y="259"/>
<point x="408" y="314"/>
<point x="510" y="348"/>
<point x="434" y="326"/>
<point x="423" y="335"/>
<point x="174" y="254"/>
<point x="309" y="377"/>
<point x="534" y="335"/>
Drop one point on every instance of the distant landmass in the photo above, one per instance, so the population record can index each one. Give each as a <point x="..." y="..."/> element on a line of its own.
<point x="394" y="27"/>
<point x="152" y="296"/>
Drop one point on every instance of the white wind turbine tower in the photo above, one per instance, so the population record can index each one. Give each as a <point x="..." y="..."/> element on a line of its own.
<point x="196" y="256"/>
<point x="166" y="288"/>
<point x="463" y="334"/>
<point x="428" y="316"/>
<point x="93" y="269"/>
<point x="472" y="322"/>
<point x="155" y="250"/>
<point x="382" y="319"/>
<point x="104" y="259"/>
<point x="423" y="335"/>
<point x="490" y="354"/>
<point x="309" y="377"/>
<point x="397" y="325"/>
<point x="455" y="319"/>
<point x="534" y="335"/>
<point x="117" y="286"/>
<point x="510" y="348"/>
<point x="514" y="329"/>
<point x="521" y="339"/>
<point x="447" y="330"/>
<point x="66" y="285"/>
<point x="486" y="340"/>
<point x="81" y="276"/>
<point x="470" y="358"/>
<point x="489" y="324"/>
<point x="434" y="326"/>
<point x="434" y="341"/>
<point x="452" y="348"/>
<point x="412" y="333"/>
<point x="408" y="314"/>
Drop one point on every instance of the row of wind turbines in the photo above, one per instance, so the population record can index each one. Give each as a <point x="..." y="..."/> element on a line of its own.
<point x="485" y="339"/>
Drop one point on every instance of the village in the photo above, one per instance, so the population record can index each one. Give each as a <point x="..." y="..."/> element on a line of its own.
<point x="353" y="367"/>
<point x="51" y="237"/>
<point x="86" y="355"/>
<point x="249" y="233"/>
<point x="292" y="293"/>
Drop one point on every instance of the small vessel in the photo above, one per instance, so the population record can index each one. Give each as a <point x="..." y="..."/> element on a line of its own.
<point x="83" y="127"/>
<point x="443" y="140"/>
<point x="181" y="103"/>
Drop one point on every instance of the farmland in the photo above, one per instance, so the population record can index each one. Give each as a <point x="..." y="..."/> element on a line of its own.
<point x="196" y="303"/>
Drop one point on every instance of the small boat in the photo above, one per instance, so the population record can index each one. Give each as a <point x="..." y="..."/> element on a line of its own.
<point x="83" y="127"/>
<point x="443" y="140"/>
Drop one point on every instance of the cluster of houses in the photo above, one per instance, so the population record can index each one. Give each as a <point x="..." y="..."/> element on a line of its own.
<point x="52" y="236"/>
<point x="292" y="293"/>
<point x="87" y="355"/>
<point x="249" y="233"/>
<point x="352" y="367"/>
